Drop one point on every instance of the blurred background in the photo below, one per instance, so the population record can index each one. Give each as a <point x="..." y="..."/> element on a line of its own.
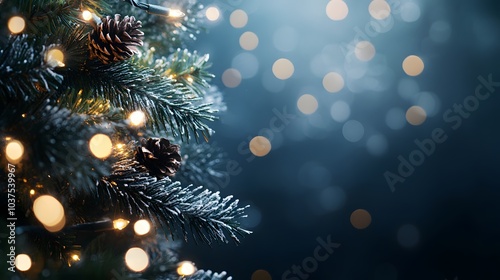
<point x="371" y="126"/>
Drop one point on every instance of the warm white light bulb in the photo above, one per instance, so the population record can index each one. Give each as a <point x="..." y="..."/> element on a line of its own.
<point x="186" y="268"/>
<point x="86" y="15"/>
<point x="120" y="224"/>
<point x="55" y="57"/>
<point x="101" y="146"/>
<point x="23" y="262"/>
<point x="48" y="210"/>
<point x="16" y="24"/>
<point x="14" y="151"/>
<point x="175" y="13"/>
<point x="136" y="259"/>
<point x="137" y="118"/>
<point x="142" y="227"/>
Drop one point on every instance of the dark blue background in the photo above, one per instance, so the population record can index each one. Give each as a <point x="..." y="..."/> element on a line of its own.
<point x="452" y="199"/>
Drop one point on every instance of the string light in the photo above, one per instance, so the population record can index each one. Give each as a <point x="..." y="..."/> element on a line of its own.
<point x="174" y="13"/>
<point x="120" y="224"/>
<point x="157" y="10"/>
<point x="101" y="146"/>
<point x="16" y="24"/>
<point x="86" y="15"/>
<point x="186" y="268"/>
<point x="32" y="192"/>
<point x="55" y="57"/>
<point x="136" y="259"/>
<point x="142" y="227"/>
<point x="14" y="151"/>
<point x="23" y="262"/>
<point x="49" y="211"/>
<point x="137" y="118"/>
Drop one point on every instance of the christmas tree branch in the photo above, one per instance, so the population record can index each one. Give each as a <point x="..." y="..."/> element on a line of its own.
<point x="25" y="74"/>
<point x="167" y="34"/>
<point x="202" y="164"/>
<point x="208" y="275"/>
<point x="134" y="88"/>
<point x="176" y="208"/>
<point x="187" y="69"/>
<point x="56" y="143"/>
<point x="46" y="16"/>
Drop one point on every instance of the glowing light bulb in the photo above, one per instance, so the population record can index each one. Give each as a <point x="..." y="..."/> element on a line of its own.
<point x="86" y="15"/>
<point x="32" y="192"/>
<point x="101" y="146"/>
<point x="120" y="224"/>
<point x="16" y="24"/>
<point x="136" y="259"/>
<point x="186" y="268"/>
<point x="137" y="118"/>
<point x="49" y="211"/>
<point x="142" y="227"/>
<point x="14" y="151"/>
<point x="175" y="13"/>
<point x="23" y="262"/>
<point x="55" y="57"/>
<point x="75" y="257"/>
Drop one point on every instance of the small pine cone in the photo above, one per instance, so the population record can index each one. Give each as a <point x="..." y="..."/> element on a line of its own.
<point x="114" y="39"/>
<point x="159" y="156"/>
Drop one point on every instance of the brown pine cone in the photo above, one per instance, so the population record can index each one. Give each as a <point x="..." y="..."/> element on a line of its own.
<point x="115" y="40"/>
<point x="159" y="156"/>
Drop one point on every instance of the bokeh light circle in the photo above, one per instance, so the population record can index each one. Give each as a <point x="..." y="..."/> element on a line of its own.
<point x="307" y="104"/>
<point x="337" y="10"/>
<point x="361" y="219"/>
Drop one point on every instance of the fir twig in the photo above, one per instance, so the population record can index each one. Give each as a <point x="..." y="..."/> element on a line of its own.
<point x="202" y="212"/>
<point x="135" y="88"/>
<point x="208" y="275"/>
<point x="25" y="74"/>
<point x="56" y="143"/>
